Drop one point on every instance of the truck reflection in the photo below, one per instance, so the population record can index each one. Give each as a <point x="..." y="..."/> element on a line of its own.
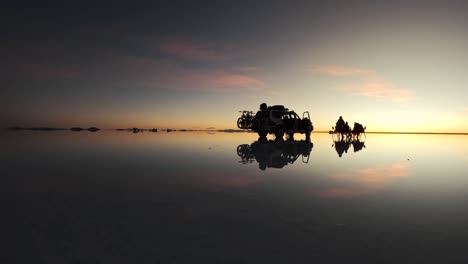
<point x="275" y="153"/>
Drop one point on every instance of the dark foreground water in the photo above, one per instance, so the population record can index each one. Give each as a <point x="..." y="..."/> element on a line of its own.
<point x="117" y="197"/>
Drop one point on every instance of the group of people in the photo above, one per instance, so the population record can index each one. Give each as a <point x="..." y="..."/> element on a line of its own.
<point x="343" y="127"/>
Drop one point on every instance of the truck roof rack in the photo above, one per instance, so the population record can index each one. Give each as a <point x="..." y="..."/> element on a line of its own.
<point x="277" y="107"/>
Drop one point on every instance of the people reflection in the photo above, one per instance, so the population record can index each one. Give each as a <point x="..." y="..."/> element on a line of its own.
<point x="274" y="153"/>
<point x="358" y="145"/>
<point x="342" y="145"/>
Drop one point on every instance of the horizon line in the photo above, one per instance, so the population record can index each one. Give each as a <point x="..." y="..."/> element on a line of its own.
<point x="249" y="131"/>
<point x="407" y="132"/>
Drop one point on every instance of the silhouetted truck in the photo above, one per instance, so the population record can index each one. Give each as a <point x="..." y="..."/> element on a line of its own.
<point x="276" y="120"/>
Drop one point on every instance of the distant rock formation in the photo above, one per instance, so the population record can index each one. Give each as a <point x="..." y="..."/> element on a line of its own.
<point x="93" y="129"/>
<point x="77" y="129"/>
<point x="16" y="128"/>
<point x="136" y="129"/>
<point x="232" y="130"/>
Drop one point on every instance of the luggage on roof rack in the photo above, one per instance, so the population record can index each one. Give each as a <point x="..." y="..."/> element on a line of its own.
<point x="277" y="107"/>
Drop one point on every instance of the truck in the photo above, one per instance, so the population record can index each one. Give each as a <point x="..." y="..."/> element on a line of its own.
<point x="277" y="120"/>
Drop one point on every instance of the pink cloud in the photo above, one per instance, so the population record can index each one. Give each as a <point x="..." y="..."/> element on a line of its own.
<point x="341" y="193"/>
<point x="338" y="71"/>
<point x="141" y="68"/>
<point x="368" y="84"/>
<point x="248" y="69"/>
<point x="227" y="180"/>
<point x="380" y="90"/>
<point x="379" y="176"/>
<point x="188" y="49"/>
<point x="222" y="81"/>
<point x="166" y="74"/>
<point x="366" y="181"/>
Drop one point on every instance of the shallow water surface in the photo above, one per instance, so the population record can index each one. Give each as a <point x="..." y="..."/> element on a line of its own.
<point x="187" y="197"/>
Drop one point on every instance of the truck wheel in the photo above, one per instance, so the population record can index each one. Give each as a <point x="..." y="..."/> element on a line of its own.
<point x="241" y="149"/>
<point x="279" y="133"/>
<point x="262" y="134"/>
<point x="241" y="122"/>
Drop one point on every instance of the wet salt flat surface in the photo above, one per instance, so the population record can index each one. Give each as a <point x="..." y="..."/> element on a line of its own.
<point x="188" y="197"/>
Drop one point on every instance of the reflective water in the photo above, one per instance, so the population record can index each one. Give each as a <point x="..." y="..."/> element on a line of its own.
<point x="187" y="197"/>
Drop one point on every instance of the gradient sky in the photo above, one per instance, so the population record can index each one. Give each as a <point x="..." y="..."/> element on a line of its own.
<point x="391" y="65"/>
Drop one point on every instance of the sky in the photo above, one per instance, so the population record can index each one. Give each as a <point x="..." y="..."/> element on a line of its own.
<point x="390" y="65"/>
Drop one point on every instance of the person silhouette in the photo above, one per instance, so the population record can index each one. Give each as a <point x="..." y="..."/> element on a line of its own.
<point x="346" y="128"/>
<point x="340" y="125"/>
<point x="355" y="127"/>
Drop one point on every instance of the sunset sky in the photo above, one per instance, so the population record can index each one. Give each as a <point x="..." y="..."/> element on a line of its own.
<point x="391" y="65"/>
